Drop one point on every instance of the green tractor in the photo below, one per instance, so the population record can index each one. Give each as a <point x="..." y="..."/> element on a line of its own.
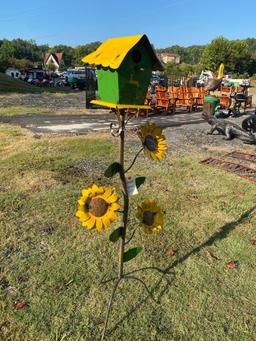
<point x="76" y="78"/>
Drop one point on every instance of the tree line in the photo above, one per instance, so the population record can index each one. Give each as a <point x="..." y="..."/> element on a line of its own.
<point x="238" y="56"/>
<point x="21" y="54"/>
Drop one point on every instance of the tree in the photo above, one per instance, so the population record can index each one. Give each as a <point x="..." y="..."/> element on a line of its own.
<point x="3" y="64"/>
<point x="193" y="54"/>
<point x="235" y="55"/>
<point x="68" y="53"/>
<point x="251" y="42"/>
<point x="81" y="51"/>
<point x="240" y="57"/>
<point x="20" y="64"/>
<point x="217" y="52"/>
<point x="178" y="71"/>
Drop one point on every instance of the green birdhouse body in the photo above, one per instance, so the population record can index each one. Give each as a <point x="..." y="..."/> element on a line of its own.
<point x="124" y="68"/>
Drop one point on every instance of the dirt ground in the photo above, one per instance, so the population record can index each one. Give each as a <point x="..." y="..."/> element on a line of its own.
<point x="53" y="101"/>
<point x="186" y="132"/>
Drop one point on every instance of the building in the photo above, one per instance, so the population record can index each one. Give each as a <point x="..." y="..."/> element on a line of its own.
<point x="35" y="73"/>
<point x="55" y="59"/>
<point x="169" y="57"/>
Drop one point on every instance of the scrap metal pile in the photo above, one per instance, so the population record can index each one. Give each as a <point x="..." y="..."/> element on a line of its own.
<point x="243" y="171"/>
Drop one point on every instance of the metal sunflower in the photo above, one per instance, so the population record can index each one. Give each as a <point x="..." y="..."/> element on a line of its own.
<point x="153" y="141"/>
<point x="97" y="207"/>
<point x="150" y="216"/>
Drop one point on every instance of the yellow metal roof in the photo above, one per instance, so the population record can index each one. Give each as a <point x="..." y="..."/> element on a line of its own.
<point x="119" y="106"/>
<point x="112" y="52"/>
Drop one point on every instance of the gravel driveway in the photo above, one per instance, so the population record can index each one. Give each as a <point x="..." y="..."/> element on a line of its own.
<point x="186" y="131"/>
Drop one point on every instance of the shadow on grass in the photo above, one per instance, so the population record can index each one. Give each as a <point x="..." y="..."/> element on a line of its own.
<point x="222" y="233"/>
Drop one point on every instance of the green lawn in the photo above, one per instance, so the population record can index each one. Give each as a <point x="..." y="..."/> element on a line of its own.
<point x="52" y="263"/>
<point x="11" y="85"/>
<point x="22" y="110"/>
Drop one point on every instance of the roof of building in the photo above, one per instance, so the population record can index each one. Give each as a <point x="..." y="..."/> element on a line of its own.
<point x="112" y="52"/>
<point x="58" y="56"/>
<point x="46" y="56"/>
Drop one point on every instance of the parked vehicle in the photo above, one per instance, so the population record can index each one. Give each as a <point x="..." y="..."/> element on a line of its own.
<point x="78" y="77"/>
<point x="61" y="83"/>
<point x="13" y="73"/>
<point x="158" y="79"/>
<point x="230" y="81"/>
<point x="35" y="74"/>
<point x="63" y="74"/>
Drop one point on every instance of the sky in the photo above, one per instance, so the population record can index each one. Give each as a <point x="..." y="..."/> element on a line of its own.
<point x="166" y="22"/>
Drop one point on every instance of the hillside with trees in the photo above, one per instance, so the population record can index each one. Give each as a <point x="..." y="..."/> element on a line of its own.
<point x="19" y="53"/>
<point x="238" y="56"/>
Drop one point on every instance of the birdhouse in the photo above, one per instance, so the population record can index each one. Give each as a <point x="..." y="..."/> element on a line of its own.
<point x="124" y="68"/>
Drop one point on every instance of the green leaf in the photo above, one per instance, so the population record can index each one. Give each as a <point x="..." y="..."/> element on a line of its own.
<point x="112" y="169"/>
<point x="132" y="253"/>
<point x="116" y="234"/>
<point x="140" y="181"/>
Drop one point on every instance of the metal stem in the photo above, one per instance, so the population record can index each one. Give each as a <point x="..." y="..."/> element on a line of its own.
<point x="121" y="120"/>
<point x="110" y="303"/>
<point x="145" y="286"/>
<point x="133" y="162"/>
<point x="132" y="235"/>
<point x="147" y="268"/>
<point x="125" y="194"/>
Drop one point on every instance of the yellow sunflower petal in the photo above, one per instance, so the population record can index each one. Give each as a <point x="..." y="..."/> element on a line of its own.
<point x="108" y="191"/>
<point x="162" y="150"/>
<point x="153" y="156"/>
<point x="82" y="215"/>
<point x="99" y="224"/>
<point x="161" y="143"/>
<point x="163" y="146"/>
<point x="100" y="190"/>
<point x="159" y="156"/>
<point x="113" y="198"/>
<point x="82" y="208"/>
<point x="151" y="205"/>
<point x="95" y="188"/>
<point x="106" y="222"/>
<point x="85" y="193"/>
<point x="112" y="215"/>
<point x="139" y="213"/>
<point x="90" y="223"/>
<point x="115" y="206"/>
<point x="146" y="203"/>
<point x="81" y="202"/>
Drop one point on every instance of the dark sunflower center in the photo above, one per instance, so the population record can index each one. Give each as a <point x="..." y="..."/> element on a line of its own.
<point x="150" y="143"/>
<point x="148" y="218"/>
<point x="98" y="207"/>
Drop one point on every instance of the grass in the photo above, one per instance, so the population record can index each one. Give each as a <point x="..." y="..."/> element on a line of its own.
<point x="22" y="110"/>
<point x="50" y="261"/>
<point x="12" y="85"/>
